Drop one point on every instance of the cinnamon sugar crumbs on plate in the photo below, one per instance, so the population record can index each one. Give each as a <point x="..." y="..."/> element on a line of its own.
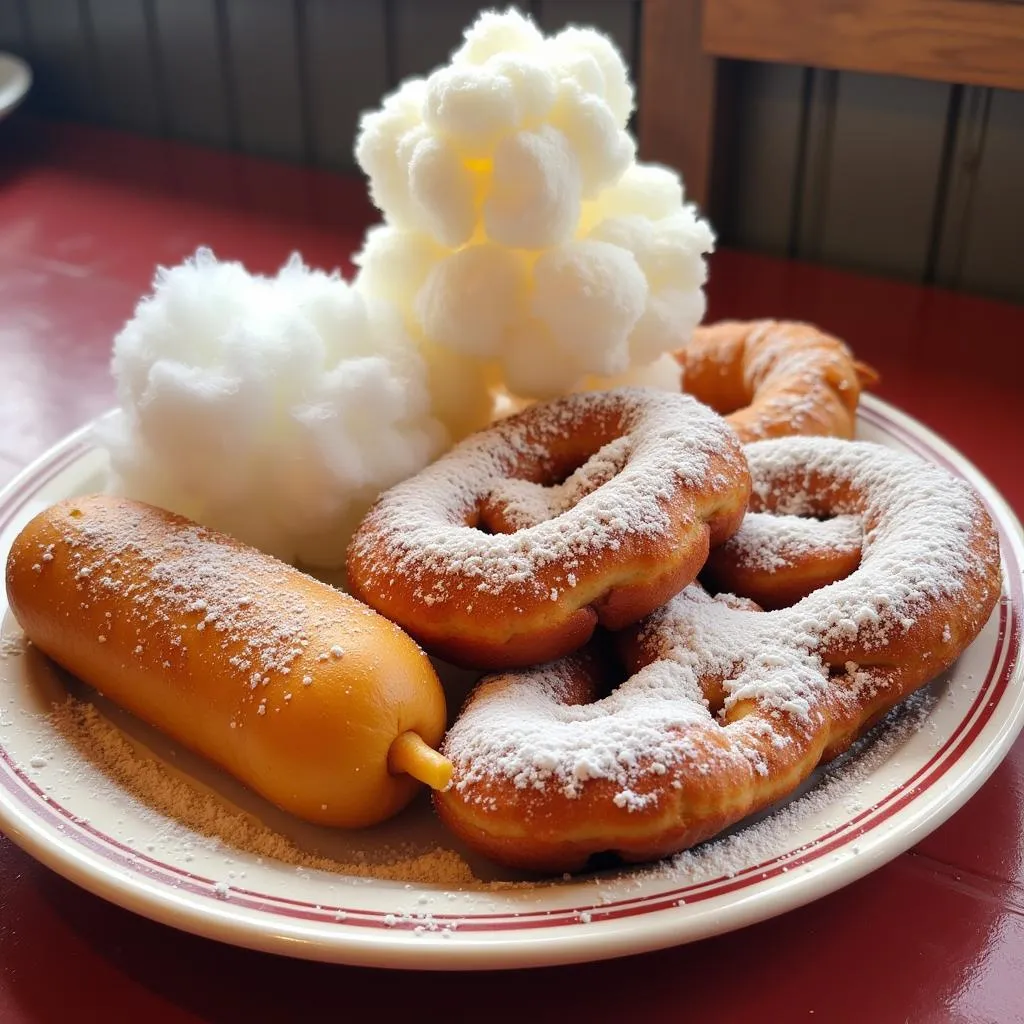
<point x="164" y="792"/>
<point x="161" y="790"/>
<point x="13" y="646"/>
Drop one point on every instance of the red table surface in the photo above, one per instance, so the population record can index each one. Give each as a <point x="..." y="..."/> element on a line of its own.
<point x="936" y="935"/>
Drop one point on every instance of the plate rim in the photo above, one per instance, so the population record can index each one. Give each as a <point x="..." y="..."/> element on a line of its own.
<point x="400" y="948"/>
<point x="19" y="84"/>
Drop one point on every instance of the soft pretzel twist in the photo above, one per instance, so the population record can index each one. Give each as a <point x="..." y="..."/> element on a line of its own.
<point x="775" y="378"/>
<point x="728" y="708"/>
<point x="776" y="560"/>
<point x="511" y="548"/>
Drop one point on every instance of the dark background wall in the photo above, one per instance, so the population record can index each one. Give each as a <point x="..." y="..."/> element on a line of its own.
<point x="914" y="179"/>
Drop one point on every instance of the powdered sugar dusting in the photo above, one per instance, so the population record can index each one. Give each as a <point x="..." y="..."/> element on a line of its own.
<point x="193" y="575"/>
<point x="524" y="503"/>
<point x="422" y="534"/>
<point x="773" y="542"/>
<point x="920" y="526"/>
<point x="519" y="727"/>
<point x="13" y="646"/>
<point x="658" y="723"/>
<point x="772" y="836"/>
<point x="184" y="593"/>
<point x="187" y="816"/>
<point x="720" y="688"/>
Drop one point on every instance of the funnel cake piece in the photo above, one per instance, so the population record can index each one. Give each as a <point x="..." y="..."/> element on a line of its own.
<point x="511" y="548"/>
<point x="777" y="560"/>
<point x="774" y="378"/>
<point x="729" y="708"/>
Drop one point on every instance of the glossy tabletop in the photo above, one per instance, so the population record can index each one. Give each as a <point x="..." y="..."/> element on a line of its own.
<point x="936" y="935"/>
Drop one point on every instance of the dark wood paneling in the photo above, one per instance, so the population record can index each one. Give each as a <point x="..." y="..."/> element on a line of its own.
<point x="992" y="258"/>
<point x="126" y="64"/>
<point x="814" y="165"/>
<point x="976" y="42"/>
<point x="883" y="170"/>
<point x="346" y="72"/>
<point x="193" y="70"/>
<point x="678" y="94"/>
<point x="893" y="175"/>
<point x="424" y="34"/>
<point x="768" y="122"/>
<point x="264" y="65"/>
<point x="61" y="49"/>
<point x="12" y="36"/>
<point x="968" y="121"/>
<point x="616" y="18"/>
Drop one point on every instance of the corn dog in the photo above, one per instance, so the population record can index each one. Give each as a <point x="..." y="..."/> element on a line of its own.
<point x="304" y="694"/>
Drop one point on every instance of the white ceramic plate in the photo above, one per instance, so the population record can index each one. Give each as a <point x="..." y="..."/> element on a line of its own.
<point x="75" y="812"/>
<point x="15" y="80"/>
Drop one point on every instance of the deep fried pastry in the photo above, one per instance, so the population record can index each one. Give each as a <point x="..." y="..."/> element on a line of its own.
<point x="729" y="708"/>
<point x="775" y="378"/>
<point x="596" y="507"/>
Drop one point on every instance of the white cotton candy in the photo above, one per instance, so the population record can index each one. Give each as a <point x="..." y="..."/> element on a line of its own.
<point x="616" y="89"/>
<point x="377" y="149"/>
<point x="473" y="107"/>
<point x="579" y="69"/>
<point x="443" y="190"/>
<point x="535" y="365"/>
<point x="670" y="251"/>
<point x="460" y="389"/>
<point x="667" y="323"/>
<point x="185" y="312"/>
<point x="534" y="86"/>
<point x="472" y="297"/>
<point x="498" y="32"/>
<point x="274" y="409"/>
<point x="603" y="150"/>
<point x="644" y="190"/>
<point x="663" y="374"/>
<point x="534" y="200"/>
<point x="530" y="253"/>
<point x="393" y="264"/>
<point x="590" y="295"/>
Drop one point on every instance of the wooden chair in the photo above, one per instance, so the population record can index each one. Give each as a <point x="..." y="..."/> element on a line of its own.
<point x="684" y="102"/>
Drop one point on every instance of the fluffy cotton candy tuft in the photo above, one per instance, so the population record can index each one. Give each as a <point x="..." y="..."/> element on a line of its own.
<point x="378" y="151"/>
<point x="579" y="46"/>
<point x="495" y="33"/>
<point x="274" y="409"/>
<point x="515" y="129"/>
<point x="471" y="106"/>
<point x="664" y="374"/>
<point x="535" y="194"/>
<point x="602" y="150"/>
<point x="527" y="249"/>
<point x="394" y="266"/>
<point x="644" y="190"/>
<point x="471" y="298"/>
<point x="590" y="294"/>
<point x="670" y="253"/>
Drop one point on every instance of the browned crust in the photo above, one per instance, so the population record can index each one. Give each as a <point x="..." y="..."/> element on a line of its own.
<point x="547" y="831"/>
<point x="523" y="625"/>
<point x="728" y="570"/>
<point x="775" y="378"/>
<point x="80" y="581"/>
